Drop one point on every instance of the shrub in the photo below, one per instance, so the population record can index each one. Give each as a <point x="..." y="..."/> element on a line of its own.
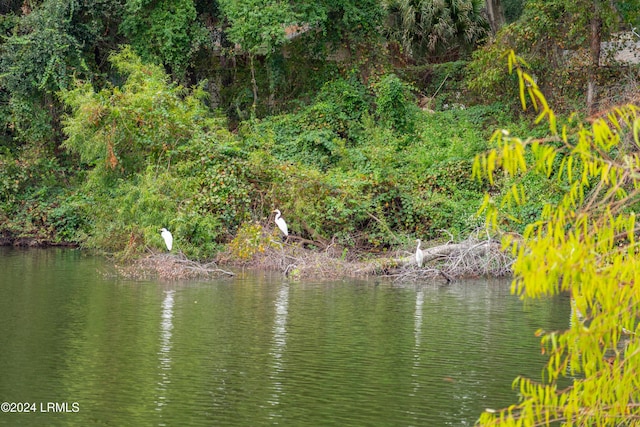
<point x="120" y="130"/>
<point x="395" y="106"/>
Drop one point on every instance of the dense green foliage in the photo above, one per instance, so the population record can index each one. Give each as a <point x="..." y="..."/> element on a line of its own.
<point x="166" y="32"/>
<point x="439" y="28"/>
<point x="119" y="118"/>
<point x="121" y="129"/>
<point x="155" y="157"/>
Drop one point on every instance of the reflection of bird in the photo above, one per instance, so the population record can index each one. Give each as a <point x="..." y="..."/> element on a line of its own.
<point x="419" y="254"/>
<point x="168" y="238"/>
<point x="282" y="225"/>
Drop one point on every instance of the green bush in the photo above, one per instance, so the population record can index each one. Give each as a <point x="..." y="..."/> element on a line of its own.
<point x="157" y="158"/>
<point x="223" y="186"/>
<point x="318" y="134"/>
<point x="33" y="192"/>
<point x="119" y="130"/>
<point x="394" y="104"/>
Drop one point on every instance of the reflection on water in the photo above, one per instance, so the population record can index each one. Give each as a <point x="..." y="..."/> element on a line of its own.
<point x="279" y="343"/>
<point x="417" y="331"/>
<point x="164" y="356"/>
<point x="258" y="350"/>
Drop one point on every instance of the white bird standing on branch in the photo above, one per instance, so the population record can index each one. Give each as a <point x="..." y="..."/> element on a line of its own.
<point x="419" y="254"/>
<point x="282" y="225"/>
<point x="168" y="238"/>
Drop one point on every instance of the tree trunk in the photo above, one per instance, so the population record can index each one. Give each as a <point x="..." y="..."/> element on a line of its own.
<point x="495" y="15"/>
<point x="254" y="85"/>
<point x="596" y="37"/>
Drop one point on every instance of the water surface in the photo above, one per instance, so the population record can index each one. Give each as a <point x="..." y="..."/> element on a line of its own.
<point x="256" y="350"/>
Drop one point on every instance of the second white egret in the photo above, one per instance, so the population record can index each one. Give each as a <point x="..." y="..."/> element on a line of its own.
<point x="419" y="254"/>
<point x="280" y="222"/>
<point x="168" y="238"/>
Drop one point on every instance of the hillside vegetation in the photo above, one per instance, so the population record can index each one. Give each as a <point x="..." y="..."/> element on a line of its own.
<point x="357" y="123"/>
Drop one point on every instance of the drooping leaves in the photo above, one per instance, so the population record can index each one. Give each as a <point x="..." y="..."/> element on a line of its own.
<point x="584" y="244"/>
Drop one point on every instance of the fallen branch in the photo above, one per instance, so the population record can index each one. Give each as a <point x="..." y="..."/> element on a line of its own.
<point x="168" y="266"/>
<point x="469" y="258"/>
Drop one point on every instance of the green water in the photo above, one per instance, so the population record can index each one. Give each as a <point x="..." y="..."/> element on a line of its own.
<point x="82" y="348"/>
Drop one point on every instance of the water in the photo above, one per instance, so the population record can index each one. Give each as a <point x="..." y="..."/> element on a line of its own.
<point x="81" y="348"/>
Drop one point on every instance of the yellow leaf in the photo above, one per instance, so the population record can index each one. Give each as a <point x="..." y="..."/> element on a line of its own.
<point x="516" y="194"/>
<point x="522" y="97"/>
<point x="552" y="122"/>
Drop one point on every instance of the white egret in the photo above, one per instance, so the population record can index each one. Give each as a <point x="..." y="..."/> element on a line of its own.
<point x="419" y="254"/>
<point x="282" y="225"/>
<point x="168" y="238"/>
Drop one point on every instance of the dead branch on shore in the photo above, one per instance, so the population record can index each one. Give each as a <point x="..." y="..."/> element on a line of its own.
<point x="473" y="257"/>
<point x="166" y="266"/>
<point x="326" y="261"/>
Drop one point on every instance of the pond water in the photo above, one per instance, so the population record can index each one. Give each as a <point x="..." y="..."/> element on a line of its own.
<point x="79" y="348"/>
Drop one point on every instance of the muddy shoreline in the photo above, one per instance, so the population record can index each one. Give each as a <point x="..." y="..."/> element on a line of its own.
<point x="34" y="242"/>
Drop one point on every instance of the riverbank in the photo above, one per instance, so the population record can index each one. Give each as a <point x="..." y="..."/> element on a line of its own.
<point x="471" y="258"/>
<point x="298" y="260"/>
<point x="33" y="242"/>
<point x="448" y="261"/>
